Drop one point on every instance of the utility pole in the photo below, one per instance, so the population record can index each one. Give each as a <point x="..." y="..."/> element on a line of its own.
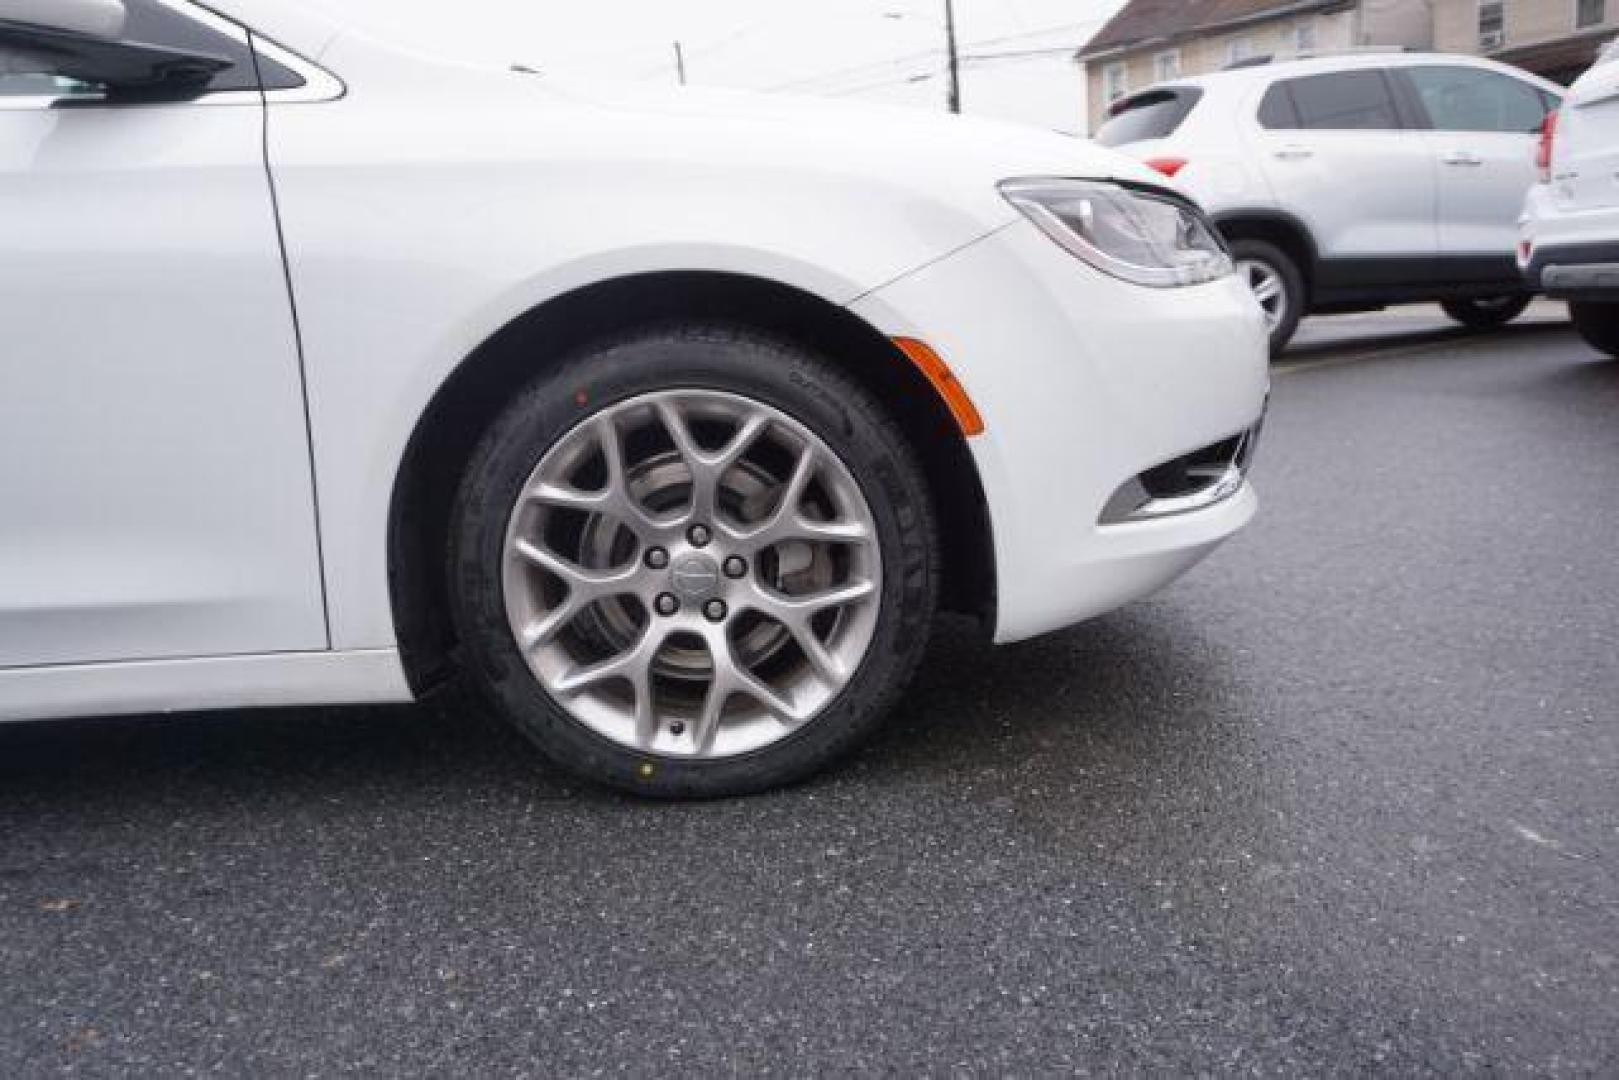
<point x="955" y="55"/>
<point x="680" y="62"/>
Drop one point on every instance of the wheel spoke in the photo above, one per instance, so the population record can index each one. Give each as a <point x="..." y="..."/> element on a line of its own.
<point x="788" y="609"/>
<point x="596" y="584"/>
<point x="633" y="665"/>
<point x="825" y="663"/>
<point x="731" y="679"/>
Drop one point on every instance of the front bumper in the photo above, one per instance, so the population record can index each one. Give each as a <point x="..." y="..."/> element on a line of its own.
<point x="1086" y="385"/>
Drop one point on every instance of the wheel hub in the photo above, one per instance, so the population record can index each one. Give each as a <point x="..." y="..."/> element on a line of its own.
<point x="695" y="577"/>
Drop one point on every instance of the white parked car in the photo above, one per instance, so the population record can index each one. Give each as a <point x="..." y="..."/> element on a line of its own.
<point x="1570" y="246"/>
<point x="1345" y="183"/>
<point x="666" y="419"/>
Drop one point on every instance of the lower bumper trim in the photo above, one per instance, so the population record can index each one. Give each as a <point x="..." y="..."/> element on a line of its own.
<point x="1188" y="484"/>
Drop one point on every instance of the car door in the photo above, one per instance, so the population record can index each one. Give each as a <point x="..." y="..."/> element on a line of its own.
<point x="1485" y="128"/>
<point x="1339" y="154"/>
<point x="155" y="486"/>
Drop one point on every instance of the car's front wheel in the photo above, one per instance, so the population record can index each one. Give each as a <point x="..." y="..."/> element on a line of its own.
<point x="1278" y="286"/>
<point x="1487" y="312"/>
<point x="694" y="563"/>
<point x="1598" y="324"/>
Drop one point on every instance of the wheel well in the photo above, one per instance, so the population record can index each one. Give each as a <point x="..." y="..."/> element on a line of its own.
<point x="1288" y="235"/>
<point x="449" y="430"/>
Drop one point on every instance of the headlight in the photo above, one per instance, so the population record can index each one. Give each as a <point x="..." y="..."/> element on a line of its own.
<point x="1135" y="233"/>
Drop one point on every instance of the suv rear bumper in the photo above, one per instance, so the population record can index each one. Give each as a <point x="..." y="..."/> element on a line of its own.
<point x="1575" y="271"/>
<point x="1568" y="253"/>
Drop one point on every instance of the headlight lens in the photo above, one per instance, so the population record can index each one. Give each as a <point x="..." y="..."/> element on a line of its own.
<point x="1140" y="235"/>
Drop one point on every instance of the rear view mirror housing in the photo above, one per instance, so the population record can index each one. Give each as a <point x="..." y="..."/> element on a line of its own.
<point x="103" y="20"/>
<point x="82" y="40"/>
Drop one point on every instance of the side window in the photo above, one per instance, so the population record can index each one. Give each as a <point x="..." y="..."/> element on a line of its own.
<point x="1276" y="112"/>
<point x="1342" y="101"/>
<point x="152" y="23"/>
<point x="1468" y="99"/>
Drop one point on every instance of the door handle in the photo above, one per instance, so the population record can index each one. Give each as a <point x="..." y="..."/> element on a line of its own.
<point x="1464" y="158"/>
<point x="1295" y="153"/>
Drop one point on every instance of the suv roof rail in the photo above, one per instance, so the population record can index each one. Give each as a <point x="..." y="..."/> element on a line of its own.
<point x="1318" y="54"/>
<point x="1358" y="50"/>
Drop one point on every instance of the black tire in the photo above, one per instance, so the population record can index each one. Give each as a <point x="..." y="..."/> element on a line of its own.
<point x="778" y="374"/>
<point x="1598" y="324"/>
<point x="1294" y="294"/>
<point x="1486" y="312"/>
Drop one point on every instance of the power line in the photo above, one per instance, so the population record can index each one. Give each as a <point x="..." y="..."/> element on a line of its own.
<point x="924" y="54"/>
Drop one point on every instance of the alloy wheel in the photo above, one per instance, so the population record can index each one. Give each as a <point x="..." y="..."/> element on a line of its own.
<point x="1268" y="288"/>
<point x="692" y="574"/>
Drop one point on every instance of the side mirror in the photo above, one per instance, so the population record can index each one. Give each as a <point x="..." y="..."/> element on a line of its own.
<point x="83" y="40"/>
<point x="103" y="20"/>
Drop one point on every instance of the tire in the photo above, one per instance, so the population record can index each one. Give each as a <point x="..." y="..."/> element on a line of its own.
<point x="1598" y="324"/>
<point x="1267" y="267"/>
<point x="631" y="387"/>
<point x="1486" y="312"/>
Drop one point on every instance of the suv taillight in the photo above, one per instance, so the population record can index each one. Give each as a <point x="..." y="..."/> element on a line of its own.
<point x="1548" y="144"/>
<point x="1169" y="166"/>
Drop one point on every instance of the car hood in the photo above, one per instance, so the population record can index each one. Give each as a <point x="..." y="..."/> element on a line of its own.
<point x="953" y="158"/>
<point x="820" y="124"/>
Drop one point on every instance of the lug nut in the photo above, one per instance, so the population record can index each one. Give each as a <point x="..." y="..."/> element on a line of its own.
<point x="715" y="610"/>
<point x="657" y="559"/>
<point x="666" y="604"/>
<point x="736" y="567"/>
<point x="677" y="728"/>
<point x="700" y="535"/>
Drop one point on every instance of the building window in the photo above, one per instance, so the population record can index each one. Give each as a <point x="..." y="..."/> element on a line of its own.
<point x="1240" y="49"/>
<point x="1166" y="66"/>
<point x="1589" y="13"/>
<point x="1304" y="36"/>
<point x="1492" y="24"/>
<point x="1115" y="82"/>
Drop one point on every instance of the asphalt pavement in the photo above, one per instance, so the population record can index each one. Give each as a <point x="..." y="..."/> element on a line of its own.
<point x="1344" y="801"/>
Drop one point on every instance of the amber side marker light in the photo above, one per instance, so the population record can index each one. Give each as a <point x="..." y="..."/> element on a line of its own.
<point x="945" y="382"/>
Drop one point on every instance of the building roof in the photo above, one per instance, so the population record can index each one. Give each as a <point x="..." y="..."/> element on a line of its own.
<point x="1563" y="59"/>
<point x="1141" y="23"/>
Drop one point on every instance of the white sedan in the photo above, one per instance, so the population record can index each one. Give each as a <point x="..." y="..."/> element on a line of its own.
<point x="667" y="420"/>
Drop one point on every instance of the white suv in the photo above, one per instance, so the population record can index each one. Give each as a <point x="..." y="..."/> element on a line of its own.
<point x="1350" y="182"/>
<point x="1570" y="242"/>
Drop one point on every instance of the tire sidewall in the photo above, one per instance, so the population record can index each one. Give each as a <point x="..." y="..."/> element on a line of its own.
<point x="1470" y="314"/>
<point x="773" y="373"/>
<point x="1598" y="325"/>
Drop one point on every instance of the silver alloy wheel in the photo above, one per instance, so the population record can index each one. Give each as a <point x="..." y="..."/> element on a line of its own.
<point x="1268" y="288"/>
<point x="692" y="574"/>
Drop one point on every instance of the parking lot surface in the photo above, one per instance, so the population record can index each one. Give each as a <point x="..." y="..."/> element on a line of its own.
<point x="1345" y="800"/>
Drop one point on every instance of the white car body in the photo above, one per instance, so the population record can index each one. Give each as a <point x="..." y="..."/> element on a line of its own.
<point x="1418" y="205"/>
<point x="1570" y="227"/>
<point x="227" y="320"/>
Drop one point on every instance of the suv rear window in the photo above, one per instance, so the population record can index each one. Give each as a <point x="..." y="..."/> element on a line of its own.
<point x="1340" y="101"/>
<point x="1152" y="114"/>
